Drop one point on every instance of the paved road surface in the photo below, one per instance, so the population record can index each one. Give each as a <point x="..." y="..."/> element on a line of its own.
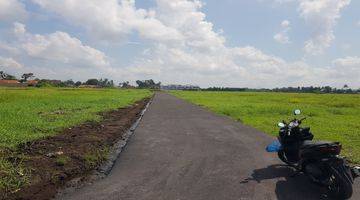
<point x="181" y="151"/>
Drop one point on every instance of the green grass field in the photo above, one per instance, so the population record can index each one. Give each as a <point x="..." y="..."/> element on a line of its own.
<point x="30" y="113"/>
<point x="333" y="117"/>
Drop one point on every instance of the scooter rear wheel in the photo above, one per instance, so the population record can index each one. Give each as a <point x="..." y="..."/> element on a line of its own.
<point x="340" y="187"/>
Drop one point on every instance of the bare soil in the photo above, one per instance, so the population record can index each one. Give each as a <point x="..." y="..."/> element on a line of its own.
<point x="73" y="153"/>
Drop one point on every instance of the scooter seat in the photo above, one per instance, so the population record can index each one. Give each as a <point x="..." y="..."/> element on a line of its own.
<point x="311" y="144"/>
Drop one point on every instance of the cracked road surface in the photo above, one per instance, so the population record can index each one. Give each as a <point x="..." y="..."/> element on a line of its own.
<point x="181" y="151"/>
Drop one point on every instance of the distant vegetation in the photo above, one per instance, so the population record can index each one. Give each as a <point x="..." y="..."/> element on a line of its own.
<point x="327" y="89"/>
<point x="28" y="79"/>
<point x="332" y="117"/>
<point x="5" y="76"/>
<point x="149" y="84"/>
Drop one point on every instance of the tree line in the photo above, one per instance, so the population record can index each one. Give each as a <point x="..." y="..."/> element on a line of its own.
<point x="311" y="89"/>
<point x="151" y="84"/>
<point x="93" y="82"/>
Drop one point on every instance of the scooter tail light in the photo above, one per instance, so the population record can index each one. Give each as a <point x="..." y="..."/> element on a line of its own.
<point x="335" y="149"/>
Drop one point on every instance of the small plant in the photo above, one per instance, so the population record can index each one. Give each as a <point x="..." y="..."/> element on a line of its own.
<point x="62" y="160"/>
<point x="93" y="159"/>
<point x="13" y="176"/>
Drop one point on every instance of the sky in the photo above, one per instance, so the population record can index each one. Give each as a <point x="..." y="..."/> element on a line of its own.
<point x="228" y="43"/>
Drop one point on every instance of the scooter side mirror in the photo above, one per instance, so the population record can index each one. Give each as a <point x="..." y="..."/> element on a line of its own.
<point x="297" y="112"/>
<point x="281" y="125"/>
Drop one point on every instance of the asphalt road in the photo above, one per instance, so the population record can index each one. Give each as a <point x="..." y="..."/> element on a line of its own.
<point x="181" y="151"/>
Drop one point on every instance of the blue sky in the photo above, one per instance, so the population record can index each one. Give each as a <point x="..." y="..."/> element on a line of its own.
<point x="257" y="43"/>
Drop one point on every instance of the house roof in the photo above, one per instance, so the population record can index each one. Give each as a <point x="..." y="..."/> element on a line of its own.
<point x="9" y="81"/>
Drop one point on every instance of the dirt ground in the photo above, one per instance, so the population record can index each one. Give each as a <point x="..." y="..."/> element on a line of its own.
<point x="73" y="153"/>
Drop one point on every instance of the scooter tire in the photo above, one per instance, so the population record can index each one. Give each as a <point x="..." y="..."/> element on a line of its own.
<point x="341" y="187"/>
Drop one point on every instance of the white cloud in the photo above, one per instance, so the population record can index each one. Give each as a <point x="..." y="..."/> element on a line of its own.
<point x="111" y="19"/>
<point x="284" y="1"/>
<point x="8" y="48"/>
<point x="322" y="16"/>
<point x="19" y="29"/>
<point x="59" y="47"/>
<point x="346" y="70"/>
<point x="283" y="37"/>
<point x="348" y="62"/>
<point x="285" y="24"/>
<point x="9" y="64"/>
<point x="12" y="10"/>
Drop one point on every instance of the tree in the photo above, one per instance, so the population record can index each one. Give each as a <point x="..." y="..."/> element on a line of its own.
<point x="150" y="84"/>
<point x="69" y="82"/>
<point x="124" y="84"/>
<point x="78" y="83"/>
<point x="106" y="83"/>
<point x="5" y="76"/>
<point x="26" y="76"/>
<point x="10" y="77"/>
<point x="92" y="81"/>
<point x="327" y="89"/>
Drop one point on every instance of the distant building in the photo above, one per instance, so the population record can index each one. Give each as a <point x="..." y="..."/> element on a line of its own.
<point x="10" y="83"/>
<point x="16" y="83"/>
<point x="180" y="87"/>
<point x="32" y="82"/>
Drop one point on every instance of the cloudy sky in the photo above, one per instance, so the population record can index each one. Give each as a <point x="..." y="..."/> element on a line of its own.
<point x="237" y="43"/>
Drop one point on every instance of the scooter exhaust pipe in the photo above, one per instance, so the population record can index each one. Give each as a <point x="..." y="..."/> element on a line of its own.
<point x="355" y="172"/>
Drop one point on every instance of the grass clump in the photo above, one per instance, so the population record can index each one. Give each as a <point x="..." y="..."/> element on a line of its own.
<point x="62" y="160"/>
<point x="13" y="176"/>
<point x="93" y="159"/>
<point x="333" y="117"/>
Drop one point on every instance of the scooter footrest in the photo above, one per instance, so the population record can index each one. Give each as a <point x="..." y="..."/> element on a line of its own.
<point x="355" y="172"/>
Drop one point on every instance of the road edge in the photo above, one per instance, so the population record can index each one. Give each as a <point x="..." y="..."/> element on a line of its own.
<point x="103" y="170"/>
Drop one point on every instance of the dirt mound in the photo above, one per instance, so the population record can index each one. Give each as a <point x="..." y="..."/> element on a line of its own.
<point x="73" y="153"/>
